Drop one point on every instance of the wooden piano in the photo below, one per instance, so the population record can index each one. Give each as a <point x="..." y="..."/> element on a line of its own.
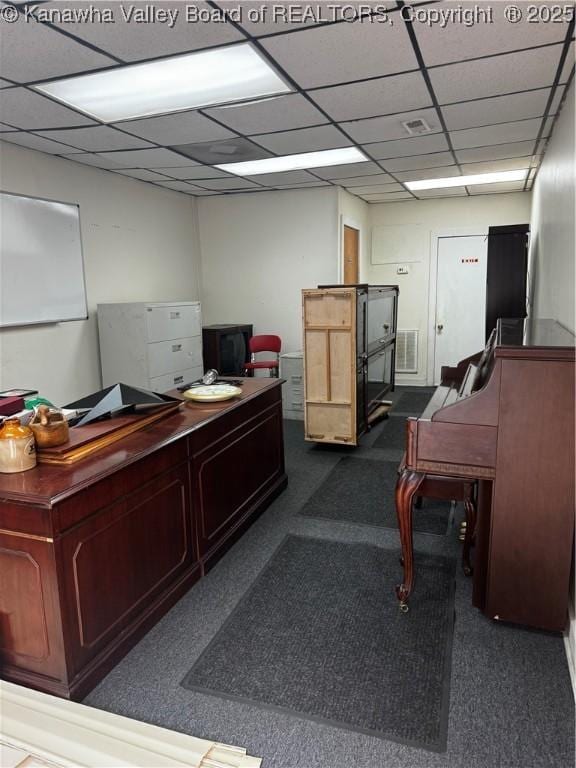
<point x="502" y="423"/>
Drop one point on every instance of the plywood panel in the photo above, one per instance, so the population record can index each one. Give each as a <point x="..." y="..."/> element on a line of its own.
<point x="331" y="308"/>
<point x="341" y="366"/>
<point x="329" y="423"/>
<point x="316" y="353"/>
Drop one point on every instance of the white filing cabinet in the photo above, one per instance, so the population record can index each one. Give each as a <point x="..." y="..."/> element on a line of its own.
<point x="153" y="345"/>
<point x="292" y="370"/>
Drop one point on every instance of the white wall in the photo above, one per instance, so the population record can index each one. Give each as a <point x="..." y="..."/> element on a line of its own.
<point x="552" y="225"/>
<point x="260" y="250"/>
<point x="139" y="243"/>
<point x="411" y="235"/>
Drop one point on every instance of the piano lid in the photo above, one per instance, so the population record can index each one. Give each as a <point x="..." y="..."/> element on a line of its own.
<point x="532" y="332"/>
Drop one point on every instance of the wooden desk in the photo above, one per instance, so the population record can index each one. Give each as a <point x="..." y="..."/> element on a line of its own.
<point x="93" y="554"/>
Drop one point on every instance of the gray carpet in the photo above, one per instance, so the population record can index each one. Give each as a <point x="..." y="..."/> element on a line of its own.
<point x="393" y="434"/>
<point x="320" y="635"/>
<point x="412" y="402"/>
<point x="511" y="702"/>
<point x="362" y="491"/>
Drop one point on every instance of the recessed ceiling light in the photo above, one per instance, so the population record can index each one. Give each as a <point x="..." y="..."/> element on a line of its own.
<point x="199" y="79"/>
<point x="463" y="181"/>
<point x="296" y="162"/>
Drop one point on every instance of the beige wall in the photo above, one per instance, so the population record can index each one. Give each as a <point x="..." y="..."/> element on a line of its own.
<point x="404" y="234"/>
<point x="259" y="250"/>
<point x="139" y="243"/>
<point x="552" y="226"/>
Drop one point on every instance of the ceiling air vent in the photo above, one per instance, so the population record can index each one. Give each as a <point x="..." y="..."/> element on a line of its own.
<point x="416" y="127"/>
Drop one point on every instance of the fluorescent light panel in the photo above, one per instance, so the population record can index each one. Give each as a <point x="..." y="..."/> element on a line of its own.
<point x="296" y="162"/>
<point x="200" y="79"/>
<point x="463" y="181"/>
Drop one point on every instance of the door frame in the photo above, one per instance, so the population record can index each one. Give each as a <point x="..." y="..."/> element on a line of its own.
<point x="435" y="237"/>
<point x="346" y="221"/>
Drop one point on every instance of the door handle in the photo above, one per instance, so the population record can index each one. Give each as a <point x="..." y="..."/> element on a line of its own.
<point x="440" y="327"/>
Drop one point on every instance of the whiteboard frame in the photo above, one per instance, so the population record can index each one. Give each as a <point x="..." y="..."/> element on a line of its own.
<point x="68" y="319"/>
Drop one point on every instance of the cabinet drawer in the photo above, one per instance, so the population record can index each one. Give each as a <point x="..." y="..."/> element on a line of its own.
<point x="178" y="321"/>
<point x="176" y="379"/>
<point x="175" y="355"/>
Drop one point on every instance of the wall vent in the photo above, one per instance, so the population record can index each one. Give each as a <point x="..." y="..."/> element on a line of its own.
<point x="407" y="351"/>
<point x="417" y="127"/>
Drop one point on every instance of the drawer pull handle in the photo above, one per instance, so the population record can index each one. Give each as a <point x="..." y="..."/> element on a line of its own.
<point x="178" y="379"/>
<point x="315" y="437"/>
<point x="296" y="379"/>
<point x="176" y="347"/>
<point x="174" y="315"/>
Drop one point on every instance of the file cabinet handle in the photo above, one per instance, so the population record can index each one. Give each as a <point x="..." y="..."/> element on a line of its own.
<point x="176" y="347"/>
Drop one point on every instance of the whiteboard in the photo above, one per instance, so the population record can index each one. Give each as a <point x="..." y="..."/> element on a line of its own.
<point x="41" y="266"/>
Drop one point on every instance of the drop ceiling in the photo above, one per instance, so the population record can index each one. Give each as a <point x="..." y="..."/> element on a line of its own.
<point x="489" y="93"/>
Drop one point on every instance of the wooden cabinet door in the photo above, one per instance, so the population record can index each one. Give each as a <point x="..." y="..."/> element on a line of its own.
<point x="120" y="562"/>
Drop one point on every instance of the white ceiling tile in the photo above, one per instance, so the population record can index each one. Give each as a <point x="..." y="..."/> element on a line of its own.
<point x="193" y="172"/>
<point x="4" y="83"/>
<point x="522" y="130"/>
<point x="231" y="183"/>
<point x="277" y="114"/>
<point x="304" y="186"/>
<point x="97" y="161"/>
<point x="303" y="140"/>
<point x="519" y="106"/>
<point x="47" y="53"/>
<point x="349" y="170"/>
<point x="455" y="41"/>
<point x="99" y="138"/>
<point x="375" y="189"/>
<point x="384" y="96"/>
<point x="442" y="172"/>
<point x="4" y="127"/>
<point x="492" y="166"/>
<point x="497" y="152"/>
<point x="146" y="158"/>
<point x="495" y="76"/>
<point x="389" y="128"/>
<point x="343" y="52"/>
<point x="181" y="128"/>
<point x="179" y="186"/>
<point x="402" y="147"/>
<point x="568" y="65"/>
<point x="143" y="175"/>
<point x="437" y="159"/>
<point x="28" y="110"/>
<point x="487" y="189"/>
<point x="131" y="39"/>
<point x="446" y="192"/>
<point x="283" y="179"/>
<point x="37" y="142"/>
<point x="392" y="197"/>
<point x="361" y="181"/>
<point x="267" y="18"/>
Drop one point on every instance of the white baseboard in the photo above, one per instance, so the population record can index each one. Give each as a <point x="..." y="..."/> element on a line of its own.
<point x="409" y="380"/>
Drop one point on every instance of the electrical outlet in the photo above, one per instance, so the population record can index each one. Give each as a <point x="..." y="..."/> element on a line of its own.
<point x="402" y="270"/>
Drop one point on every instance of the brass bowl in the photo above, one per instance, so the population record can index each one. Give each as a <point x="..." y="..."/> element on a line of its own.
<point x="50" y="435"/>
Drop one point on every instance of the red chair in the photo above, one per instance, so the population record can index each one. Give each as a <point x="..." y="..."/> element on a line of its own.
<point x="263" y="343"/>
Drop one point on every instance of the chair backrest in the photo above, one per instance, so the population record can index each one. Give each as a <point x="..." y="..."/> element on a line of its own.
<point x="265" y="343"/>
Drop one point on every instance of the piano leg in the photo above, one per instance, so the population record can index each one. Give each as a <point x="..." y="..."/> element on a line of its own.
<point x="406" y="487"/>
<point x="470" y="510"/>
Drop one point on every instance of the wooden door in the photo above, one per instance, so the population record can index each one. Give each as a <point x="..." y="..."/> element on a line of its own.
<point x="351" y="243"/>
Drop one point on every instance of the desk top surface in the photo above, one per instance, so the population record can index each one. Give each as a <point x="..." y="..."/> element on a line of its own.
<point x="48" y="484"/>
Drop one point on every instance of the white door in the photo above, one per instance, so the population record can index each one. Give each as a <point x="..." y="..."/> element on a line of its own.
<point x="460" y="323"/>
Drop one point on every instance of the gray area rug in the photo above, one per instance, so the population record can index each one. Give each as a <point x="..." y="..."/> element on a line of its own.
<point x="319" y="635"/>
<point x="393" y="434"/>
<point x="362" y="491"/>
<point x="412" y="402"/>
